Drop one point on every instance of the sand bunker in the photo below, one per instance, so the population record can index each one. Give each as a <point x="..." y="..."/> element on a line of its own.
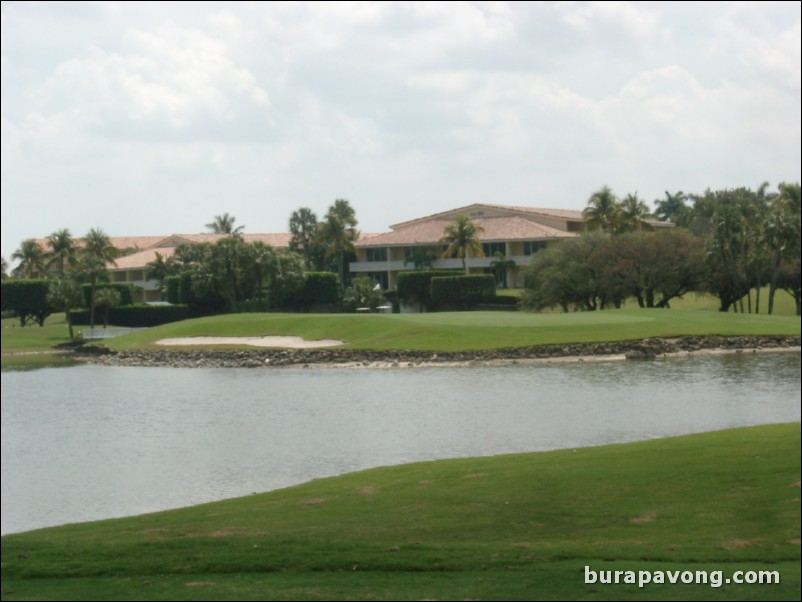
<point x="285" y="342"/>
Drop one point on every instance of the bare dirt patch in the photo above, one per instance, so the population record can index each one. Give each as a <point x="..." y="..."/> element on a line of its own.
<point x="644" y="518"/>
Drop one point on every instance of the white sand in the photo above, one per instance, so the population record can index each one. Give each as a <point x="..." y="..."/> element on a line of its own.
<point x="285" y="342"/>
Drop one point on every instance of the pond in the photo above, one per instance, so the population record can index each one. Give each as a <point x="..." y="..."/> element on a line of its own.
<point x="91" y="442"/>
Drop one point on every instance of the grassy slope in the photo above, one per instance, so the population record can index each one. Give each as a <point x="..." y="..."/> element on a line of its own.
<point x="471" y="330"/>
<point x="506" y="527"/>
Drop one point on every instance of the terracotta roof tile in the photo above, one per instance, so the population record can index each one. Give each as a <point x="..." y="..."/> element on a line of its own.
<point x="494" y="229"/>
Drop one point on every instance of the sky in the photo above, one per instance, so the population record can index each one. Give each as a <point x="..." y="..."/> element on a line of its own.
<point x="152" y="118"/>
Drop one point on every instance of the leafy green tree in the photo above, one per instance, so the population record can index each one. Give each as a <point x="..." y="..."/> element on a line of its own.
<point x="224" y="224"/>
<point x="337" y="234"/>
<point x="64" y="294"/>
<point x="188" y="255"/>
<point x="304" y="230"/>
<point x="63" y="250"/>
<point x="568" y="275"/>
<point x="225" y="269"/>
<point x="160" y="269"/>
<point x="31" y="259"/>
<point x="462" y="239"/>
<point x="5" y="268"/>
<point x="602" y="211"/>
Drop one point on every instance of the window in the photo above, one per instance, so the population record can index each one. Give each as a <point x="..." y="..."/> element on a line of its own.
<point x="533" y="246"/>
<point x="491" y="248"/>
<point x="378" y="254"/>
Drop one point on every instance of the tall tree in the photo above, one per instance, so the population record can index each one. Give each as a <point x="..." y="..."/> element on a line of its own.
<point x="462" y="238"/>
<point x="31" y="259"/>
<point x="62" y="250"/>
<point x="304" y="229"/>
<point x="224" y="224"/>
<point x="337" y="234"/>
<point x="602" y="211"/>
<point x="226" y="269"/>
<point x="783" y="237"/>
<point x="97" y="253"/>
<point x="5" y="268"/>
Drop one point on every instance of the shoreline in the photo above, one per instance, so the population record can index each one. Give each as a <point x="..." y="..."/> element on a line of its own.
<point x="643" y="349"/>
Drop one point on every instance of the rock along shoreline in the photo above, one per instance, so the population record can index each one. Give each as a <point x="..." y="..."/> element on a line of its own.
<point x="644" y="349"/>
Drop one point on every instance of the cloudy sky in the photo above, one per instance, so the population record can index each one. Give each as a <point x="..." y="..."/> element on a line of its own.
<point x="151" y="118"/>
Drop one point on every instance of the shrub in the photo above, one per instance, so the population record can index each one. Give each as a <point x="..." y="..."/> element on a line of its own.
<point x="416" y="287"/>
<point x="27" y="299"/>
<point x="463" y="292"/>
<point x="140" y="316"/>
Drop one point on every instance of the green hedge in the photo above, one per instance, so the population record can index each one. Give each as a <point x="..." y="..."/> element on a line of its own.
<point x="463" y="292"/>
<point x="27" y="299"/>
<point x="259" y="305"/>
<point x="415" y="287"/>
<point x="319" y="289"/>
<point x="139" y="316"/>
<point x="126" y="292"/>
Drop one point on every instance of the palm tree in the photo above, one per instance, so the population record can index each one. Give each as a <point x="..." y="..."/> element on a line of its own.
<point x="337" y="234"/>
<point x="499" y="266"/>
<point x="224" y="224"/>
<point x="782" y="233"/>
<point x="673" y="208"/>
<point x="97" y="253"/>
<point x="602" y="212"/>
<point x="462" y="237"/>
<point x="160" y="269"/>
<point x="31" y="260"/>
<point x="632" y="214"/>
<point x="62" y="249"/>
<point x="303" y="226"/>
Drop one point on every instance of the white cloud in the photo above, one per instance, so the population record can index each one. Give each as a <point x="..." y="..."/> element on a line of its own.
<point x="171" y="77"/>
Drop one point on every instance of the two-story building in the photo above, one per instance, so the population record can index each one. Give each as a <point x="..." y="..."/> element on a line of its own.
<point x="515" y="232"/>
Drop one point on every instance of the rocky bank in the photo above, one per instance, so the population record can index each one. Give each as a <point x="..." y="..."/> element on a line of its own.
<point x="644" y="349"/>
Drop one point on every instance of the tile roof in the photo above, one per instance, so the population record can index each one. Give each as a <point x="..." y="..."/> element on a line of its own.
<point x="494" y="229"/>
<point x="567" y="214"/>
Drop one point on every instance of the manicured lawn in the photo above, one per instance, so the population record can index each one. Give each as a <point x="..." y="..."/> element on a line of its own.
<point x="506" y="527"/>
<point x="459" y="331"/>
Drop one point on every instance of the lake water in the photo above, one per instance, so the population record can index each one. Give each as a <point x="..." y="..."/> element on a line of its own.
<point x="92" y="442"/>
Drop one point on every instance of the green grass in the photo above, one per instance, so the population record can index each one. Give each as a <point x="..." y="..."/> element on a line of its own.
<point x="506" y="527"/>
<point x="463" y="331"/>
